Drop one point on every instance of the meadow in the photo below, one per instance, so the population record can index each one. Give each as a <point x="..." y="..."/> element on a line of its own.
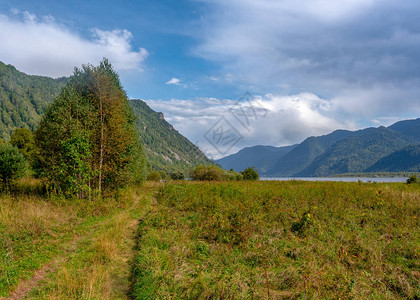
<point x="280" y="240"/>
<point x="213" y="240"/>
<point x="57" y="248"/>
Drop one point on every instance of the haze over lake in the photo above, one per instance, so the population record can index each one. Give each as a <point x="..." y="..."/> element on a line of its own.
<point x="340" y="179"/>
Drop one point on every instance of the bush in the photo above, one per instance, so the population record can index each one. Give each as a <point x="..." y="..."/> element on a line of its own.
<point x="12" y="164"/>
<point x="232" y="175"/>
<point x="163" y="175"/>
<point x="208" y="173"/>
<point x="177" y="176"/>
<point x="154" y="176"/>
<point x="250" y="174"/>
<point x="412" y="179"/>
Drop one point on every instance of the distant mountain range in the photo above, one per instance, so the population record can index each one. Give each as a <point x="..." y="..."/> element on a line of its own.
<point x="384" y="149"/>
<point x="24" y="98"/>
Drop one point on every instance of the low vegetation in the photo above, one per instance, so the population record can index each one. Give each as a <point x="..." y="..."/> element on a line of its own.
<point x="276" y="240"/>
<point x="83" y="247"/>
<point x="213" y="173"/>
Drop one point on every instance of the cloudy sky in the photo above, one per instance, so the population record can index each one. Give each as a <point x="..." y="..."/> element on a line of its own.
<point x="292" y="68"/>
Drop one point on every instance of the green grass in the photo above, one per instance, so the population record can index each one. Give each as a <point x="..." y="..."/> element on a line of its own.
<point x="35" y="230"/>
<point x="298" y="240"/>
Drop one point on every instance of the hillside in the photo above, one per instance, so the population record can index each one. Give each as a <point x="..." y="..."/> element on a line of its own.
<point x="24" y="98"/>
<point x="339" y="152"/>
<point x="406" y="159"/>
<point x="357" y="152"/>
<point x="260" y="157"/>
<point x="165" y="147"/>
<point x="303" y="154"/>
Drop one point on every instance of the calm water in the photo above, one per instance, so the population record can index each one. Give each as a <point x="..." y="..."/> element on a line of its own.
<point x="344" y="179"/>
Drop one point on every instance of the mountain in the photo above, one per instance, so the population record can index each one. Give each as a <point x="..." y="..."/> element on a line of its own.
<point x="303" y="154"/>
<point x="260" y="157"/>
<point x="24" y="98"/>
<point x="368" y="150"/>
<point x="356" y="152"/>
<point x="165" y="147"/>
<point x="404" y="160"/>
<point x="409" y="128"/>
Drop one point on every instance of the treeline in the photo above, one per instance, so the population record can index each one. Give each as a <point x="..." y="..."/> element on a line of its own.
<point x="86" y="144"/>
<point x="207" y="173"/>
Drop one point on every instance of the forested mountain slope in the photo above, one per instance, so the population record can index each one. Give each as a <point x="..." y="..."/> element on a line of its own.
<point x="165" y="147"/>
<point x="24" y="98"/>
<point x="303" y="154"/>
<point x="357" y="152"/>
<point x="404" y="160"/>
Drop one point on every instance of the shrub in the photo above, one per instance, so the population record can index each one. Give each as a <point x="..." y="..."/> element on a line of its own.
<point x="250" y="174"/>
<point x="177" y="176"/>
<point x="412" y="179"/>
<point x="210" y="173"/>
<point x="232" y="175"/>
<point x="163" y="175"/>
<point x="12" y="164"/>
<point x="154" y="176"/>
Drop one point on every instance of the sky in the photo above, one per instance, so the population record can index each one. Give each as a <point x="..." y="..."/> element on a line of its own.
<point x="237" y="73"/>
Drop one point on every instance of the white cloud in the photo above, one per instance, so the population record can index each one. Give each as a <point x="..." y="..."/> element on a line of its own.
<point x="280" y="120"/>
<point x="174" y="81"/>
<point x="361" y="54"/>
<point x="45" y="47"/>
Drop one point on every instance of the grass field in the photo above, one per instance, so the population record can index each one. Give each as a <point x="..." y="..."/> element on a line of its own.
<point x="52" y="248"/>
<point x="235" y="240"/>
<point x="280" y="240"/>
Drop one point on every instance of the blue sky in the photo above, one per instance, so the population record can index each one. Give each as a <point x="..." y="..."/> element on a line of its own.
<point x="314" y="65"/>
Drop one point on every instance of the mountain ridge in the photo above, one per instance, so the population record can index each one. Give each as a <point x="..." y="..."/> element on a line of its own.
<point x="24" y="98"/>
<point x="341" y="151"/>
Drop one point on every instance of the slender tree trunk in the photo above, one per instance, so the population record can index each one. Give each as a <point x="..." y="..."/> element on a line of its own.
<point x="101" y="147"/>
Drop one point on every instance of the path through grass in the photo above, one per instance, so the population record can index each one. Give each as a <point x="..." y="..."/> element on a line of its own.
<point x="67" y="250"/>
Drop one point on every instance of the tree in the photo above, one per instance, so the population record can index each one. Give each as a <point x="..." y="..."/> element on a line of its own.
<point x="89" y="130"/>
<point x="12" y="164"/>
<point x="210" y="173"/>
<point x="250" y="174"/>
<point x="412" y="179"/>
<point x="177" y="176"/>
<point x="154" y="176"/>
<point x="23" y="139"/>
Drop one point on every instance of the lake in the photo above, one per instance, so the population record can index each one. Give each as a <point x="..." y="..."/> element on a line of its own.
<point x="343" y="179"/>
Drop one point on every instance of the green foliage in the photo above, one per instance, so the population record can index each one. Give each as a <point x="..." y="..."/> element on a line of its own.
<point x="12" y="164"/>
<point x="250" y="174"/>
<point x="213" y="173"/>
<point x="154" y="176"/>
<point x="163" y="175"/>
<point x="24" y="140"/>
<point x="24" y="98"/>
<point x="207" y="173"/>
<point x="75" y="172"/>
<point x="87" y="138"/>
<point x="300" y="228"/>
<point x="249" y="240"/>
<point x="232" y="175"/>
<point x="177" y="176"/>
<point x="403" y="160"/>
<point x="412" y="179"/>
<point x="166" y="148"/>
